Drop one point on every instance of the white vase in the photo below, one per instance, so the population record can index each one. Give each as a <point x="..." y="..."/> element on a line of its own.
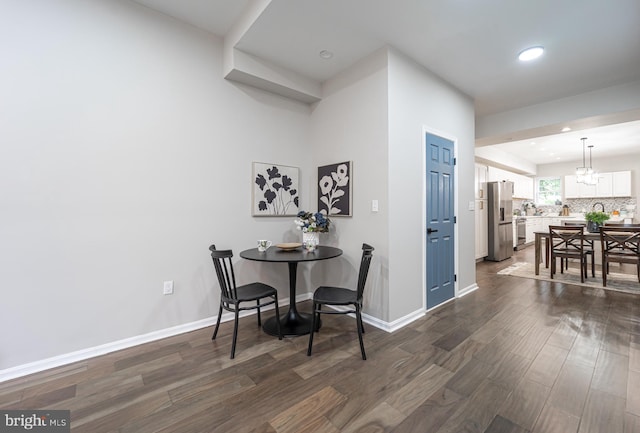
<point x="310" y="240"/>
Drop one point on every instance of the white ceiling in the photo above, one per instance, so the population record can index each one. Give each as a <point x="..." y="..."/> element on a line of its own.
<point x="609" y="140"/>
<point x="589" y="44"/>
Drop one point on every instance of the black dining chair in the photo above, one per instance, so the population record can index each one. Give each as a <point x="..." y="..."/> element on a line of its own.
<point x="567" y="242"/>
<point x="232" y="296"/>
<point x="620" y="244"/>
<point x="342" y="297"/>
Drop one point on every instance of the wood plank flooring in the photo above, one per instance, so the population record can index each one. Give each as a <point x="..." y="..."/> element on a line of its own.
<point x="517" y="355"/>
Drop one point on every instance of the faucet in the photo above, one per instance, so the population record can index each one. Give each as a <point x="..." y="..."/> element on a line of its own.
<point x="598" y="203"/>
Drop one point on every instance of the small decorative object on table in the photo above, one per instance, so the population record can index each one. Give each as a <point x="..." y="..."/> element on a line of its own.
<point x="595" y="220"/>
<point x="289" y="246"/>
<point x="311" y="224"/>
<point x="263" y="244"/>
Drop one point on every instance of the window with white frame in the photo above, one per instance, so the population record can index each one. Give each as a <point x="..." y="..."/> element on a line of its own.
<point x="548" y="191"/>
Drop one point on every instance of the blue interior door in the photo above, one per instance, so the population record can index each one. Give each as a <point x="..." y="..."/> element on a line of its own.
<point x="440" y="255"/>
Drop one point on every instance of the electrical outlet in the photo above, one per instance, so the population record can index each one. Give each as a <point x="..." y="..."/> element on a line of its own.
<point x="168" y="288"/>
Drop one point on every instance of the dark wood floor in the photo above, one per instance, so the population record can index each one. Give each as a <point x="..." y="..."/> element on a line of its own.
<point x="517" y="355"/>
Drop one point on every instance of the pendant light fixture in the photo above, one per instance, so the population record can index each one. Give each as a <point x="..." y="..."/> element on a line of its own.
<point x="582" y="171"/>
<point x="590" y="177"/>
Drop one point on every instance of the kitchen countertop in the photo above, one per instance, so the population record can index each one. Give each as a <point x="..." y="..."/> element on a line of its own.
<point x="579" y="217"/>
<point x="550" y="216"/>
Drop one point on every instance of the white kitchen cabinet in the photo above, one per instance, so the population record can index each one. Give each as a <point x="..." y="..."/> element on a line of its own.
<point x="587" y="190"/>
<point x="529" y="231"/>
<point x="481" y="181"/>
<point x="523" y="187"/>
<point x="481" y="212"/>
<point x="621" y="184"/>
<point x="604" y="187"/>
<point x="541" y="224"/>
<point x="570" y="187"/>
<point x="573" y="189"/>
<point x="616" y="184"/>
<point x="551" y="221"/>
<point x="482" y="229"/>
<point x="534" y="224"/>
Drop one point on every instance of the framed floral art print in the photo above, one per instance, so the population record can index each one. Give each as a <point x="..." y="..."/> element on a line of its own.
<point x="275" y="190"/>
<point x="334" y="189"/>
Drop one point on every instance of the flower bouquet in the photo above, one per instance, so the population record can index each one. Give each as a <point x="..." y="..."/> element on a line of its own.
<point x="311" y="224"/>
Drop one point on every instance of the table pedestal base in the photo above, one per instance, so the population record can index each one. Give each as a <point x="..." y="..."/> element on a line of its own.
<point x="290" y="324"/>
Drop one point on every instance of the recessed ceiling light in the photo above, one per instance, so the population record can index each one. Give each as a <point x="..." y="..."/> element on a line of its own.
<point x="326" y="54"/>
<point x="566" y="129"/>
<point x="530" y="53"/>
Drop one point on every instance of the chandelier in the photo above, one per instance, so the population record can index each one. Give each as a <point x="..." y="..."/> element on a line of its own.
<point x="586" y="174"/>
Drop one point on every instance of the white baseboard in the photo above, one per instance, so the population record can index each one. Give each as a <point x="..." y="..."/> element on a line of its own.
<point x="467" y="290"/>
<point x="404" y="321"/>
<point x="103" y="349"/>
<point x="381" y="324"/>
<point x="81" y="355"/>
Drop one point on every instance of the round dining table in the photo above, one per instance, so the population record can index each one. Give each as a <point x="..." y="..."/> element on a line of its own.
<point x="293" y="322"/>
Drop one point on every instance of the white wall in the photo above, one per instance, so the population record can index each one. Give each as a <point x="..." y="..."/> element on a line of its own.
<point x="419" y="99"/>
<point x="490" y="155"/>
<point x="123" y="155"/>
<point x="351" y="124"/>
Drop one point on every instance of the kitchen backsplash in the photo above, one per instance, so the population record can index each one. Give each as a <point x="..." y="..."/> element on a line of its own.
<point x="610" y="204"/>
<point x="580" y="205"/>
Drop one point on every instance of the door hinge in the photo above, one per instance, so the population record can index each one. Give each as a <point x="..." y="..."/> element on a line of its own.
<point x="455" y="277"/>
<point x="455" y="161"/>
<point x="455" y="219"/>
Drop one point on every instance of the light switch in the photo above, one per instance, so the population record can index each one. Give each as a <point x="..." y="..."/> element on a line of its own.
<point x="374" y="205"/>
<point x="167" y="288"/>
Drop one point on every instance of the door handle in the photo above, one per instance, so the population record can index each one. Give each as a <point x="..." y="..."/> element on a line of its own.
<point x="429" y="231"/>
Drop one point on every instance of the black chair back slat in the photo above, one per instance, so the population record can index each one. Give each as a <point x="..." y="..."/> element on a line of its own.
<point x="365" y="262"/>
<point x="224" y="270"/>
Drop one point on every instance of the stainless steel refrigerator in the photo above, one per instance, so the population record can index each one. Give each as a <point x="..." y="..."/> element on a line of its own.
<point x="500" y="203"/>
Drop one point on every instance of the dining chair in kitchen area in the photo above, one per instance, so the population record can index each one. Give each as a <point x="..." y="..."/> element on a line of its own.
<point x="588" y="247"/>
<point x="232" y="296"/>
<point x="342" y="297"/>
<point x="567" y="242"/>
<point x="620" y="244"/>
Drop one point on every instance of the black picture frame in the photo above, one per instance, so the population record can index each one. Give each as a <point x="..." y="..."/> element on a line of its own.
<point x="335" y="189"/>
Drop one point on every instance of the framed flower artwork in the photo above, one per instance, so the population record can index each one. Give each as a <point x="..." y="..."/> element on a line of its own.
<point x="334" y="189"/>
<point x="275" y="190"/>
